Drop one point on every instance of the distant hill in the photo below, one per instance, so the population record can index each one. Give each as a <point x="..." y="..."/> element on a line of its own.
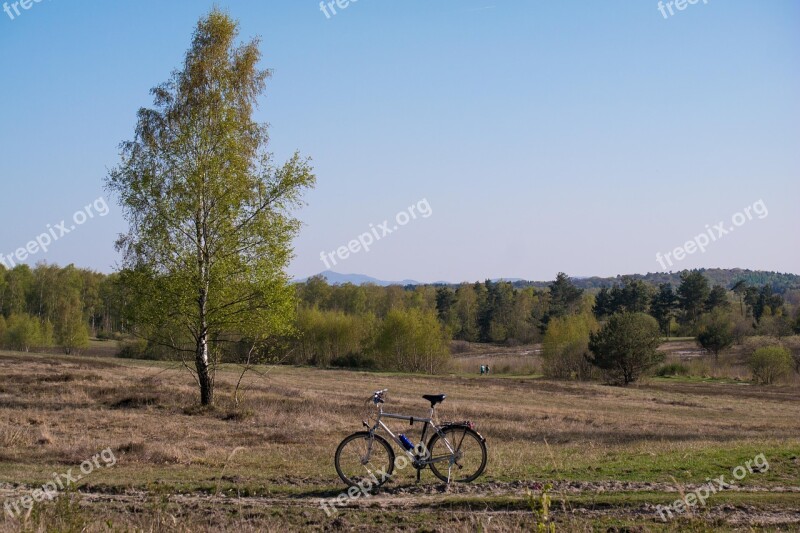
<point x="726" y="277"/>
<point x="335" y="278"/>
<point x="718" y="276"/>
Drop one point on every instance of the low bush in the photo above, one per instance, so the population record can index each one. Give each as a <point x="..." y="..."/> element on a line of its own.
<point x="354" y="360"/>
<point x="769" y="364"/>
<point x="673" y="369"/>
<point x="140" y="349"/>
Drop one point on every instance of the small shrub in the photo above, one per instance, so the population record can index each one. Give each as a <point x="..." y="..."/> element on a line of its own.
<point x="135" y="401"/>
<point x="791" y="343"/>
<point x="354" y="360"/>
<point x="673" y="369"/>
<point x="64" y="514"/>
<point x="459" y="347"/>
<point x="11" y="436"/>
<point x="237" y="415"/>
<point x="751" y="344"/>
<point x="132" y="447"/>
<point x="141" y="349"/>
<point x="134" y="349"/>
<point x="770" y="364"/>
<point x="540" y="507"/>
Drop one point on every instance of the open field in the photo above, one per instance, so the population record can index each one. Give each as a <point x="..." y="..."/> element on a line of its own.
<point x="525" y="360"/>
<point x="611" y="454"/>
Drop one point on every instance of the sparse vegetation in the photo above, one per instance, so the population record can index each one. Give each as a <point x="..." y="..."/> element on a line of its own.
<point x="611" y="450"/>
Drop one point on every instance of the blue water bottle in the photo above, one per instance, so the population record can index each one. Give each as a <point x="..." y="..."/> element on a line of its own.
<point x="406" y="443"/>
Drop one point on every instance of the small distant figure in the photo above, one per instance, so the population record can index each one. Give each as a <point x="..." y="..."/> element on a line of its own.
<point x="483" y="370"/>
<point x="487" y="369"/>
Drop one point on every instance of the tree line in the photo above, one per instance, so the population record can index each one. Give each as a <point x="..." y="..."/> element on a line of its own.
<point x="618" y="335"/>
<point x="341" y="324"/>
<point x="48" y="306"/>
<point x="780" y="282"/>
<point x="399" y="328"/>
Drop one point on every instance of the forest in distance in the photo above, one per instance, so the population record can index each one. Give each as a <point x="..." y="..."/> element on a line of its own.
<point x="414" y="328"/>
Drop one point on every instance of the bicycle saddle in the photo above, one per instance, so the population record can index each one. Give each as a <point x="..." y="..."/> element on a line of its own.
<point x="434" y="398"/>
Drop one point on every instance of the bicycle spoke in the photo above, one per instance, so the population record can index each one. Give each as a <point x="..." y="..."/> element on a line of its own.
<point x="360" y="457"/>
<point x="461" y="448"/>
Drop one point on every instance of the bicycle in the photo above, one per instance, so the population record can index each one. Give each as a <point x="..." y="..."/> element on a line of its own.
<point x="364" y="453"/>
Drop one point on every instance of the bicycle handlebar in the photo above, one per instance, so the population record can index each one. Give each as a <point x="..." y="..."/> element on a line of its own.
<point x="378" y="396"/>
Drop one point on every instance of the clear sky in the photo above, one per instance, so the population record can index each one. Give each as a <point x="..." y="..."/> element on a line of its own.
<point x="567" y="135"/>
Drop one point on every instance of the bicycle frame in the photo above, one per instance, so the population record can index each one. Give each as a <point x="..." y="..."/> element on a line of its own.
<point x="451" y="451"/>
<point x="425" y="459"/>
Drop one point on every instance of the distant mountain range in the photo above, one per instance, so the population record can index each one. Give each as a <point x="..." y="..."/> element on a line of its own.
<point x="718" y="276"/>
<point x="335" y="278"/>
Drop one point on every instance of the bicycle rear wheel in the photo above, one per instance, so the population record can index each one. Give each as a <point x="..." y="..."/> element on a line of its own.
<point x="364" y="459"/>
<point x="469" y="454"/>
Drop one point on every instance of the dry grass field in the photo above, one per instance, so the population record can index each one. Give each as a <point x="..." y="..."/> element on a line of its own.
<point x="610" y="454"/>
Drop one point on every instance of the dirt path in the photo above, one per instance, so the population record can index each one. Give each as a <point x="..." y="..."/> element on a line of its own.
<point x="489" y="500"/>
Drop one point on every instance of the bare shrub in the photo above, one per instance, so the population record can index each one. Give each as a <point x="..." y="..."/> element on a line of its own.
<point x="460" y="347"/>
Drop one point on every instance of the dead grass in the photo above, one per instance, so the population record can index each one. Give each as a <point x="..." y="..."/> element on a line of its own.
<point x="56" y="412"/>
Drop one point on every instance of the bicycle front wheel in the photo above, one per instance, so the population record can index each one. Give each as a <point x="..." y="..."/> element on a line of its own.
<point x="364" y="459"/>
<point x="465" y="457"/>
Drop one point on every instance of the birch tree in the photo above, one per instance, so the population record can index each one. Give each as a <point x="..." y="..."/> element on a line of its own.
<point x="209" y="212"/>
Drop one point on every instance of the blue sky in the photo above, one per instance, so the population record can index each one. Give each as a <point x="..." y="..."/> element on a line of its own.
<point x="583" y="137"/>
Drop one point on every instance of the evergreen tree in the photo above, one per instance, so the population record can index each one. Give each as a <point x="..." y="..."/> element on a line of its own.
<point x="717" y="298"/>
<point x="603" y="303"/>
<point x="692" y="294"/>
<point x="663" y="307"/>
<point x="626" y="347"/>
<point x="565" y="297"/>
